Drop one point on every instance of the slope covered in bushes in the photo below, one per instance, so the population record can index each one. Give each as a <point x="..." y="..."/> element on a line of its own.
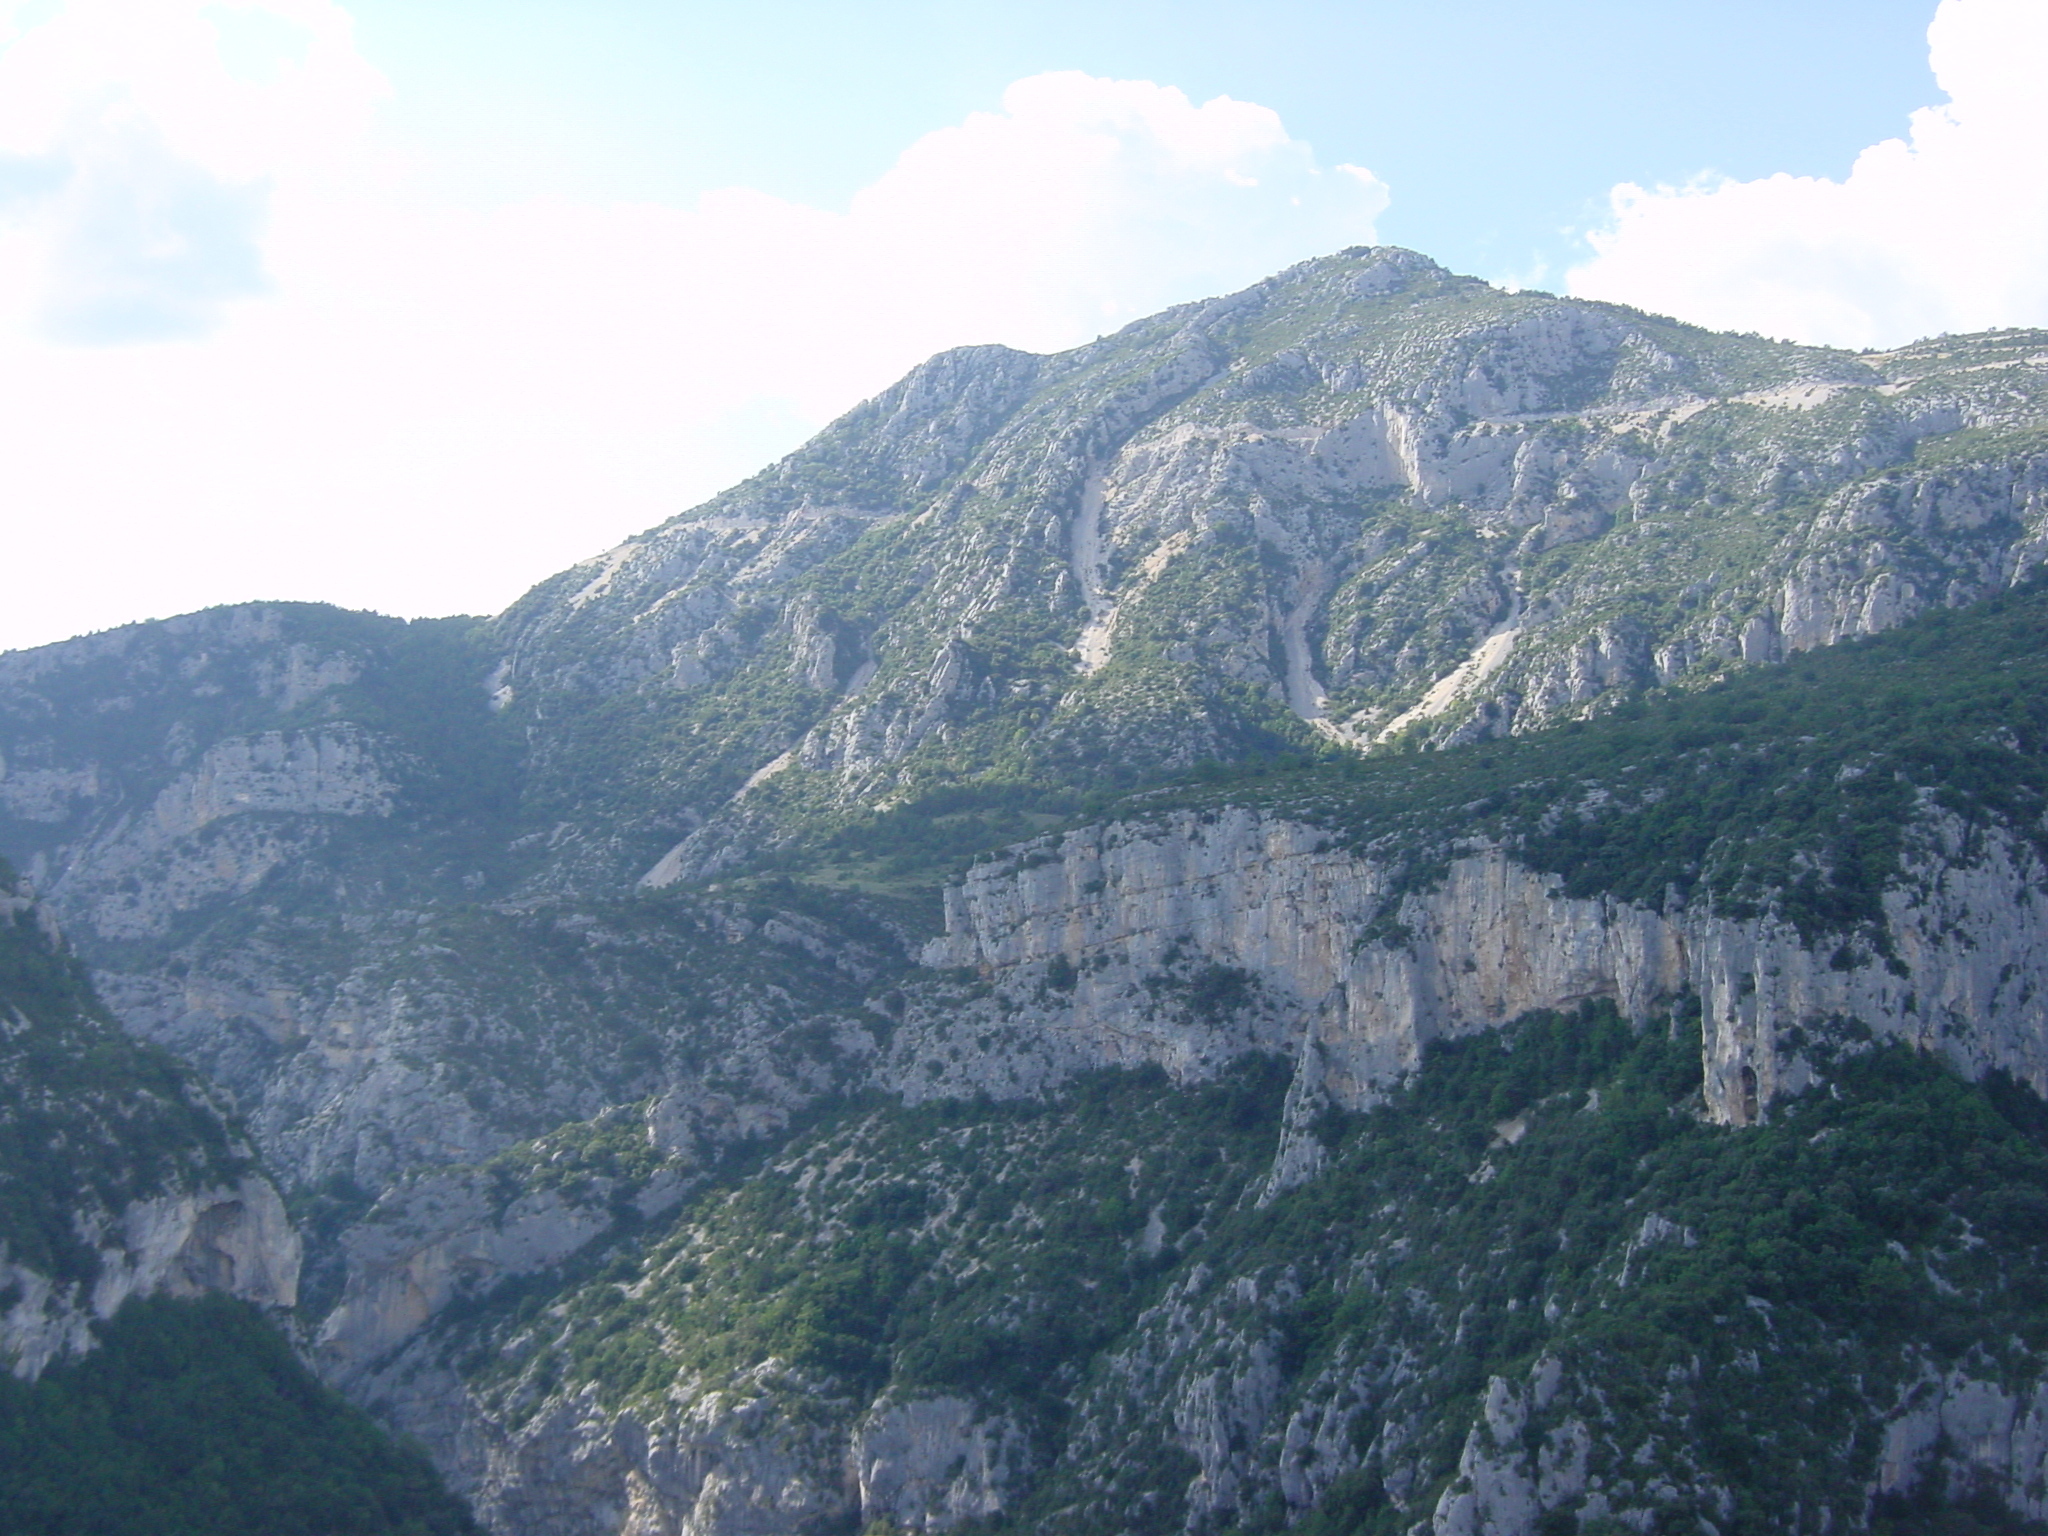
<point x="1684" y="1322"/>
<point x="194" y="1418"/>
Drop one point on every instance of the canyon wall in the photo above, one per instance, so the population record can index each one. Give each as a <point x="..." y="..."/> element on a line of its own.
<point x="1194" y="937"/>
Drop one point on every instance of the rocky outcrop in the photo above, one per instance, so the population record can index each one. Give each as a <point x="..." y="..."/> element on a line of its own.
<point x="122" y="1179"/>
<point x="1500" y="1489"/>
<point x="1101" y="945"/>
<point x="456" y="1235"/>
<point x="1310" y="510"/>
<point x="1528" y="1454"/>
<point x="1970" y="1435"/>
<point x="1315" y="507"/>
<point x="730" y="1459"/>
<point x="236" y="1240"/>
<point x="928" y="1463"/>
<point x="409" y="892"/>
<point x="767" y="1452"/>
<point x="248" y="806"/>
<point x="442" y="1039"/>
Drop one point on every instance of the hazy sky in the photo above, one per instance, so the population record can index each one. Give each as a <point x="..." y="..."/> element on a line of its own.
<point x="407" y="303"/>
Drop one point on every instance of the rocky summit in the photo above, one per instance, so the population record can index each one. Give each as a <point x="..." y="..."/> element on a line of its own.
<point x="1375" y="905"/>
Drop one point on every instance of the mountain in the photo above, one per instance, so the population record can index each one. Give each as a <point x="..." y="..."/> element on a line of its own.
<point x="143" y="1259"/>
<point x="1363" y="499"/>
<point x="962" y="982"/>
<point x="118" y="1175"/>
<point x="1636" y="1122"/>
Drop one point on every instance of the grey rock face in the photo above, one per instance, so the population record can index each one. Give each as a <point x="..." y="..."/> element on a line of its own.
<point x="727" y="1460"/>
<point x="411" y="894"/>
<point x="1508" y="1477"/>
<point x="213" y="832"/>
<point x="1271" y="909"/>
<point x="1971" y="1435"/>
<point x="237" y="1240"/>
<point x="444" y="1236"/>
<point x="933" y="1462"/>
<point x="123" y="1180"/>
<point x="764" y="1452"/>
<point x="1324" y="508"/>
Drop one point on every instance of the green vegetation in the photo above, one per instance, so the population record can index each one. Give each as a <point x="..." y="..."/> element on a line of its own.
<point x="136" y="707"/>
<point x="270" y="666"/>
<point x="188" y="1417"/>
<point x="935" y="549"/>
<point x="1793" y="789"/>
<point x="1549" y="1190"/>
<point x="1366" y="466"/>
<point x="848" y="1256"/>
<point x="90" y="1118"/>
<point x="193" y="1418"/>
<point x="1748" y="1305"/>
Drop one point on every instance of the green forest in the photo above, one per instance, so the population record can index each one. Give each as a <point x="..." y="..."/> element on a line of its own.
<point x="194" y="1418"/>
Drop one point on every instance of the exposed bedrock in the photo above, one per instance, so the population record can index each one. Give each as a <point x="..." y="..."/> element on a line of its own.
<point x="234" y="1238"/>
<point x="1190" y="939"/>
<point x="765" y="1452"/>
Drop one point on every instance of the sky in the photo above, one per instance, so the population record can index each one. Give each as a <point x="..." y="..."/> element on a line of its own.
<point x="406" y="304"/>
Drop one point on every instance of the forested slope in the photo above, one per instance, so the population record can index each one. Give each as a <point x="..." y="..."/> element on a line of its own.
<point x="148" y="1269"/>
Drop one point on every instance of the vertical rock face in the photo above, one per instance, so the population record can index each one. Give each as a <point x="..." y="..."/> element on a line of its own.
<point x="235" y="1239"/>
<point x="1969" y="1435"/>
<point x="121" y="1178"/>
<point x="455" y="1234"/>
<point x="434" y="1241"/>
<point x="250" y="805"/>
<point x="1355" y="976"/>
<point x="933" y="1462"/>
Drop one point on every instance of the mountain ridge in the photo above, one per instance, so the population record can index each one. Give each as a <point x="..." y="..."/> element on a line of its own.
<point x="1246" y="710"/>
<point x="1491" y="445"/>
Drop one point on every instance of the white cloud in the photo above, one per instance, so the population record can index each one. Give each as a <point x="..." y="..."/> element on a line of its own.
<point x="139" y="147"/>
<point x="1945" y="230"/>
<point x="305" y="381"/>
<point x="150" y="247"/>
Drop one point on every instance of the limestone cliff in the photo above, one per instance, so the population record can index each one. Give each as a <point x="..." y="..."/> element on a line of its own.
<point x="118" y="1177"/>
<point x="451" y="1235"/>
<point x="1190" y="939"/>
<point x="234" y="1239"/>
<point x="1362" y="499"/>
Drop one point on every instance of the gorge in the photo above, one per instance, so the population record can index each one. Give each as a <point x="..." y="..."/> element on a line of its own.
<point x="1373" y="904"/>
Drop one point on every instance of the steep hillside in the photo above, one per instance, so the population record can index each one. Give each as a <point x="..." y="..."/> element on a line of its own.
<point x="1531" y="1292"/>
<point x="886" y="997"/>
<point x="377" y="879"/>
<point x="118" y="1177"/>
<point x="194" y="1418"/>
<point x="1858" y="836"/>
<point x="1362" y="498"/>
<point x="274" y="831"/>
<point x="146" y="1268"/>
<point x="1383" y="1138"/>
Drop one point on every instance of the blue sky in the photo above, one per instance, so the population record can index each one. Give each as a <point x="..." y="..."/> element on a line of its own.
<point x="1498" y="126"/>
<point x="406" y="304"/>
